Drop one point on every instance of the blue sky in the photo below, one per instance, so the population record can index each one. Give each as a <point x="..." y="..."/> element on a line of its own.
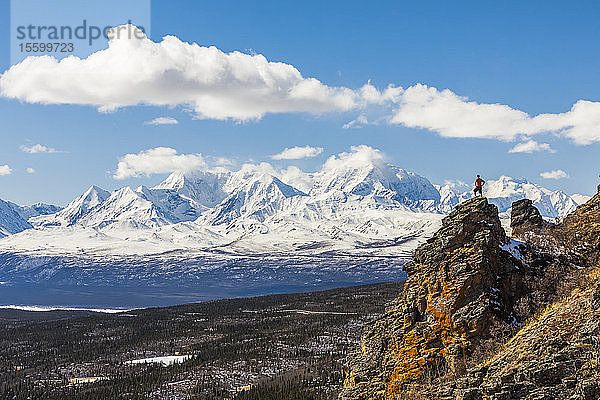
<point x="537" y="57"/>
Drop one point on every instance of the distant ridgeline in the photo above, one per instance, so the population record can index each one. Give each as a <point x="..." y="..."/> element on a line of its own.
<point x="343" y="208"/>
<point x="485" y="316"/>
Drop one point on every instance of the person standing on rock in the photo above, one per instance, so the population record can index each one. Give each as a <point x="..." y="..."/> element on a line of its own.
<point x="478" y="186"/>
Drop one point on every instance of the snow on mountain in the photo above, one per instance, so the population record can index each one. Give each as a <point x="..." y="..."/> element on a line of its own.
<point x="35" y="210"/>
<point x="354" y="205"/>
<point x="552" y="204"/>
<point x="10" y="221"/>
<point x="74" y="210"/>
<point x="253" y="194"/>
<point x="203" y="187"/>
<point x="382" y="183"/>
<point x="175" y="207"/>
<point x="506" y="190"/>
<point x="124" y="208"/>
<point x="141" y="208"/>
<point x="580" y="198"/>
<point x="450" y="197"/>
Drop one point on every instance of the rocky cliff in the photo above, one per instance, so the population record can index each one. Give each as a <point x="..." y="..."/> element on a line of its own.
<point x="525" y="218"/>
<point x="484" y="316"/>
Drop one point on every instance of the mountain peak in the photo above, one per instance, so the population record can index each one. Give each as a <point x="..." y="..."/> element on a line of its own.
<point x="90" y="199"/>
<point x="378" y="181"/>
<point x="203" y="187"/>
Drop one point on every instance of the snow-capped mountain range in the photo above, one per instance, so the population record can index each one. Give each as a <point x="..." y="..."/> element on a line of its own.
<point x="506" y="190"/>
<point x="13" y="217"/>
<point x="365" y="208"/>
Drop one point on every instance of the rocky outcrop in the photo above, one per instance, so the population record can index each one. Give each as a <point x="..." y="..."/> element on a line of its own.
<point x="460" y="285"/>
<point x="555" y="356"/>
<point x="525" y="218"/>
<point x="483" y="316"/>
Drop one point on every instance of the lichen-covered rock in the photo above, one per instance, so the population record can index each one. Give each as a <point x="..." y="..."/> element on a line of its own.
<point x="555" y="356"/>
<point x="484" y="317"/>
<point x="460" y="283"/>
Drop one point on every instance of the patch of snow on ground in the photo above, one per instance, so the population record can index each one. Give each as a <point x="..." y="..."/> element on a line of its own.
<point x="165" y="361"/>
<point x="513" y="248"/>
<point x="45" y="309"/>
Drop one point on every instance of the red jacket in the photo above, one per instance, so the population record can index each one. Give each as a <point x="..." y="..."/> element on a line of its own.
<point x="479" y="182"/>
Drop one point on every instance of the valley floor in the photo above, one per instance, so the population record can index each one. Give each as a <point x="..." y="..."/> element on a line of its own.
<point x="281" y="346"/>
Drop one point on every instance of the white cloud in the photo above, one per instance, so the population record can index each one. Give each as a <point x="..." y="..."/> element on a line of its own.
<point x="38" y="148"/>
<point x="157" y="161"/>
<point x="297" y="178"/>
<point x="134" y="71"/>
<point x="219" y="85"/>
<point x="357" y="157"/>
<point x="30" y="170"/>
<point x="454" y="116"/>
<point x="530" y="146"/>
<point x="450" y="115"/>
<point x="298" y="152"/>
<point x="5" y="170"/>
<point x="356" y="123"/>
<point x="556" y="174"/>
<point x="162" y="121"/>
<point x="223" y="161"/>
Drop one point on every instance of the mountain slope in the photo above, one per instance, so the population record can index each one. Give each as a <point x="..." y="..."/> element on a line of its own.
<point x="381" y="183"/>
<point x="253" y="194"/>
<point x="203" y="187"/>
<point x="10" y="221"/>
<point x="75" y="210"/>
<point x="551" y="204"/>
<point x="35" y="210"/>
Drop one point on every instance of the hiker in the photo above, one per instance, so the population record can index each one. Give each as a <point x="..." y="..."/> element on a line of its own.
<point x="479" y="186"/>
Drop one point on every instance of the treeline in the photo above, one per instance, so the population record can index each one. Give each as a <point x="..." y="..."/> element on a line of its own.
<point x="302" y="384"/>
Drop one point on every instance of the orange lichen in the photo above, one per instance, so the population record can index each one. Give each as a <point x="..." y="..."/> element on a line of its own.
<point x="418" y="350"/>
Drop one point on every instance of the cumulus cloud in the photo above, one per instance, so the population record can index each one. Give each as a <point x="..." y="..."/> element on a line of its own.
<point x="38" y="148"/>
<point x="556" y="174"/>
<point x="223" y="161"/>
<point x="297" y="178"/>
<point x="5" y="170"/>
<point x="530" y="146"/>
<point x="134" y="70"/>
<point x="356" y="123"/>
<point x="451" y="115"/>
<point x="30" y="170"/>
<point x="159" y="160"/>
<point x="298" y="152"/>
<point x="162" y="121"/>
<point x="357" y="157"/>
